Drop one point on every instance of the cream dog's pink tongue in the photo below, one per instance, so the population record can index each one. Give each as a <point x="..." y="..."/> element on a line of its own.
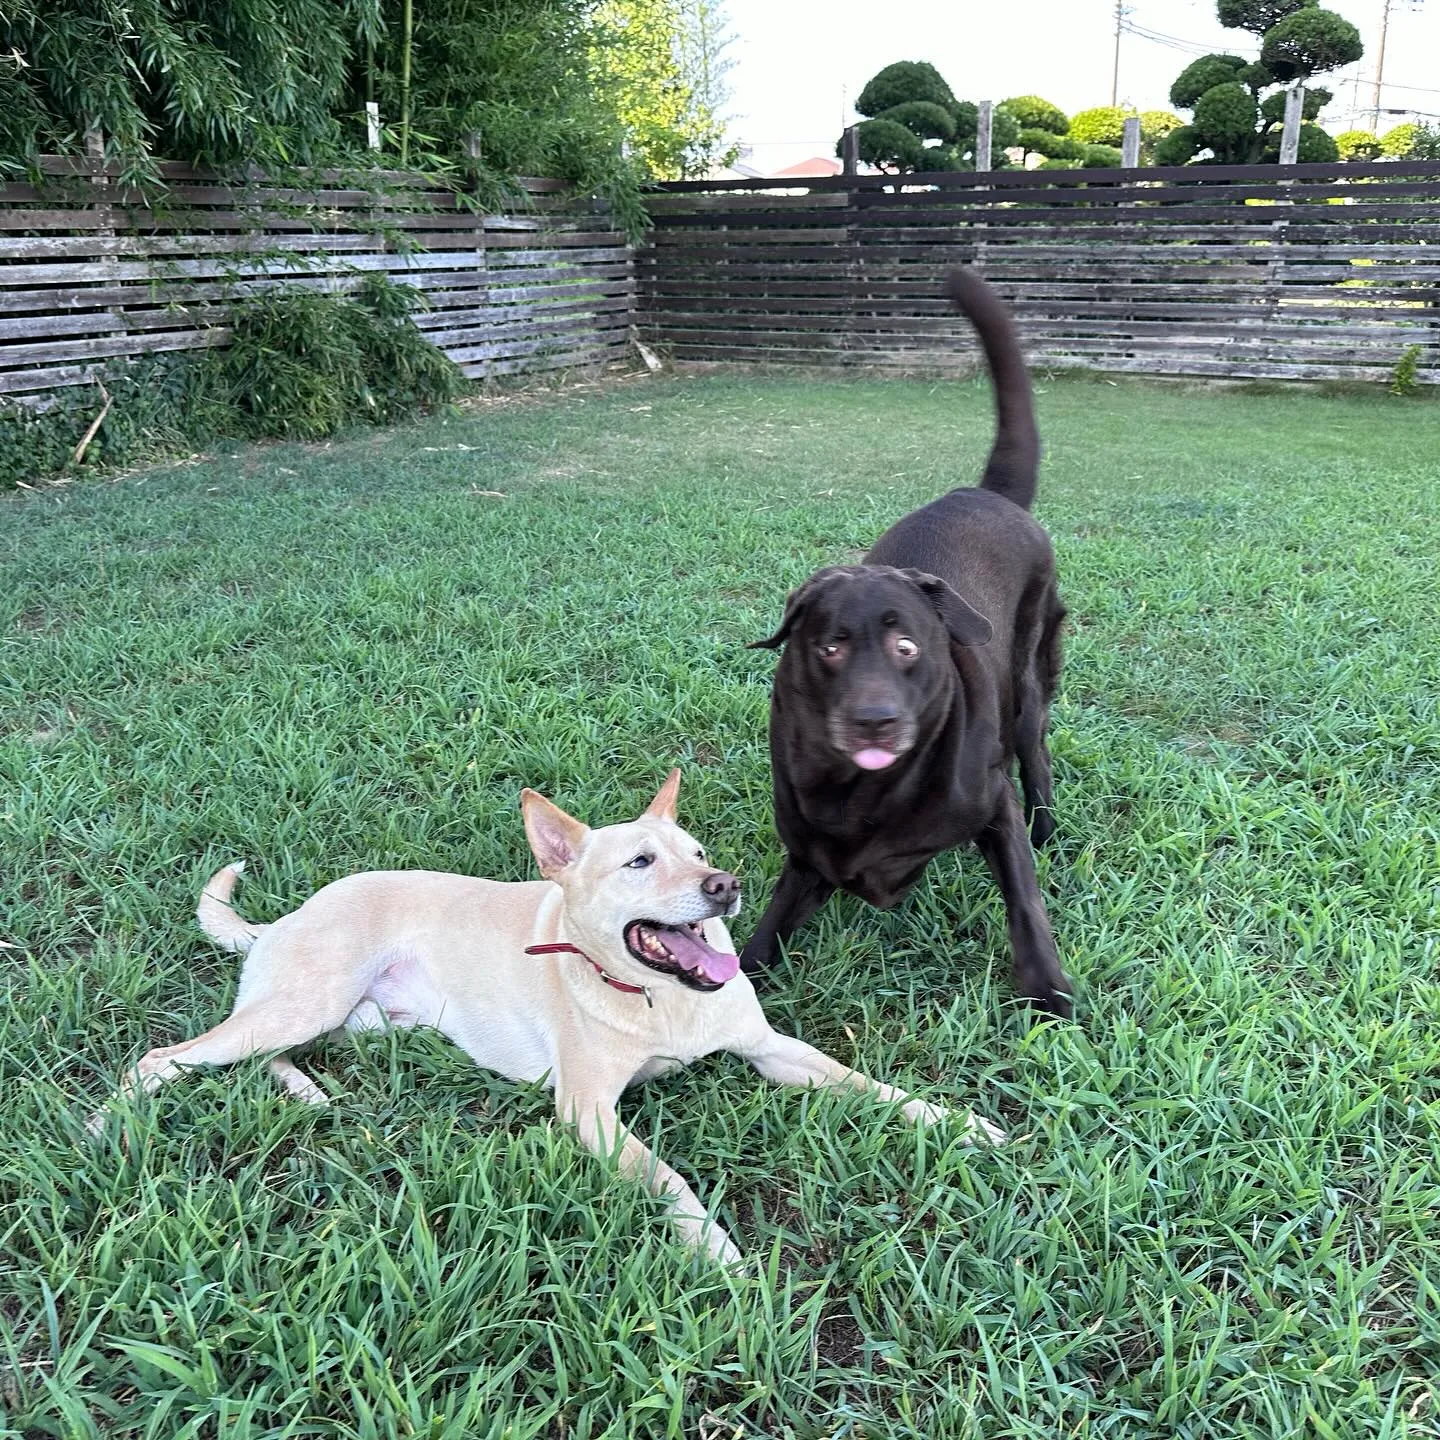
<point x="692" y="953"/>
<point x="873" y="758"/>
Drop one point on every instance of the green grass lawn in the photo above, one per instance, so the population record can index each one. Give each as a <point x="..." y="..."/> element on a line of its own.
<point x="1219" y="1213"/>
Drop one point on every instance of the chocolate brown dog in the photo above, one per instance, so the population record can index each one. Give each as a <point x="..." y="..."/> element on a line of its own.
<point x="911" y="683"/>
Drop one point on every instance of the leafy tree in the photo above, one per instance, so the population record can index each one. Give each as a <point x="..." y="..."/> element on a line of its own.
<point x="1031" y="112"/>
<point x="1235" y="120"/>
<point x="909" y="103"/>
<point x="651" y="58"/>
<point x="704" y="39"/>
<point x="207" y="81"/>
<point x="1358" y="145"/>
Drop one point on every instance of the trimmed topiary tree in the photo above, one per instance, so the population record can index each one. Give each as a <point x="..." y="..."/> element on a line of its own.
<point x="1238" y="111"/>
<point x="901" y="82"/>
<point x="914" y="122"/>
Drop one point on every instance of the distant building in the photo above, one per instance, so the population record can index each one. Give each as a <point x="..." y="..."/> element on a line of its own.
<point x="813" y="168"/>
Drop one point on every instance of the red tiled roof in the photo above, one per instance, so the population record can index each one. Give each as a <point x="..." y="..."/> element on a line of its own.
<point x="816" y="165"/>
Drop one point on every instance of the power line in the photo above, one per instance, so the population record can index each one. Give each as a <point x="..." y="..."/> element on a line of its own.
<point x="1172" y="42"/>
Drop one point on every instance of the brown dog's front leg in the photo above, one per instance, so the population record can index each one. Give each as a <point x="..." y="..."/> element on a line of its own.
<point x="1006" y="848"/>
<point x="799" y="893"/>
<point x="600" y="1131"/>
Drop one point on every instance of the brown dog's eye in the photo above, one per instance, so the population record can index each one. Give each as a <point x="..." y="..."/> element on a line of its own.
<point x="905" y="647"/>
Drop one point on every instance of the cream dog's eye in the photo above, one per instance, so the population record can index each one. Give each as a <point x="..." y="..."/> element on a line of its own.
<point x="639" y="862"/>
<point x="906" y="647"/>
<point x="699" y="854"/>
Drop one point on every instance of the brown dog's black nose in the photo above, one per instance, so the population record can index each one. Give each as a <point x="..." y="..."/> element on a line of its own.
<point x="721" y="886"/>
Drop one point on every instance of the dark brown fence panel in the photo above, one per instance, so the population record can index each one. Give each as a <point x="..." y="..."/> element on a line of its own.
<point x="90" y="272"/>
<point x="1307" y="272"/>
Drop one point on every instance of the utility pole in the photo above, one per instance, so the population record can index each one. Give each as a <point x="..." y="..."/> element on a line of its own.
<point x="1115" y="73"/>
<point x="1380" y="68"/>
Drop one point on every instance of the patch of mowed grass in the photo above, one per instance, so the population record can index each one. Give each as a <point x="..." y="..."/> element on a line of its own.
<point x="1217" y="1215"/>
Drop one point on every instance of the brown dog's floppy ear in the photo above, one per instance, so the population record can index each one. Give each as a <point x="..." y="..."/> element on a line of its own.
<point x="662" y="807"/>
<point x="555" y="837"/>
<point x="967" y="626"/>
<point x="795" y="605"/>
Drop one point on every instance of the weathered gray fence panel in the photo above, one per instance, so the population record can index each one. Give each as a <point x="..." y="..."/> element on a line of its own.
<point x="1267" y="272"/>
<point x="93" y="272"/>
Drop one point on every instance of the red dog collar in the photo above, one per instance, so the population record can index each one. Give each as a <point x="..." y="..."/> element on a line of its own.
<point x="561" y="948"/>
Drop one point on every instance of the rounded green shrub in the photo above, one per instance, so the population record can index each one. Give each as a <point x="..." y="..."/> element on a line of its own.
<point x="1047" y="143"/>
<point x="1225" y="114"/>
<point x="1358" y="145"/>
<point x="903" y="81"/>
<point x="1204" y="74"/>
<point x="1257" y="16"/>
<point x="1101" y="157"/>
<point x="1317" y="146"/>
<point x="1179" y="147"/>
<point x="1104" y="125"/>
<point x="1309" y="41"/>
<point x="927" y="119"/>
<point x="889" y="146"/>
<point x="1155" y="125"/>
<point x="1032" y="112"/>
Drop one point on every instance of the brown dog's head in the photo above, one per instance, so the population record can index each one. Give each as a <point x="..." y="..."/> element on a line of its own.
<point x="869" y="649"/>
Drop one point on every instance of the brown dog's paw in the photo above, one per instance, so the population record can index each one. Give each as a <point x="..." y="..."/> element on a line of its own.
<point x="1060" y="1003"/>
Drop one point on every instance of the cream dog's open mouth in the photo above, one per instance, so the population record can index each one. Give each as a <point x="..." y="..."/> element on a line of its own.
<point x="681" y="951"/>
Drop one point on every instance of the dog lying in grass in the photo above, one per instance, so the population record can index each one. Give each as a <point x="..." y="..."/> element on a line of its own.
<point x="614" y="968"/>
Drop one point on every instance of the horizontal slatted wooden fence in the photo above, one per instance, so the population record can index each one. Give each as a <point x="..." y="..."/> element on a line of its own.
<point x="1306" y="272"/>
<point x="90" y="272"/>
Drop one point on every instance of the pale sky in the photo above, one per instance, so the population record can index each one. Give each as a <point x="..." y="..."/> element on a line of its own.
<point x="799" y="64"/>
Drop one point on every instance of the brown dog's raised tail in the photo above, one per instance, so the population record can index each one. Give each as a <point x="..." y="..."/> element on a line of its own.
<point x="1015" y="456"/>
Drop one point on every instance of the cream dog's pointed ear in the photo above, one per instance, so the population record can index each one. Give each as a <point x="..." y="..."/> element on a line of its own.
<point x="662" y="807"/>
<point x="556" y="838"/>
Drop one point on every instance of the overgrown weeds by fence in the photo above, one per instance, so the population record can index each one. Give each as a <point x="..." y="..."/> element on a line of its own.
<point x="300" y="365"/>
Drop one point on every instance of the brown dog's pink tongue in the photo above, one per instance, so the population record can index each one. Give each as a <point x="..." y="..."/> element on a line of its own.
<point x="873" y="758"/>
<point x="692" y="953"/>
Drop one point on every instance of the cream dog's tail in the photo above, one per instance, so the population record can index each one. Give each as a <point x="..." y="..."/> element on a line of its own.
<point x="218" y="918"/>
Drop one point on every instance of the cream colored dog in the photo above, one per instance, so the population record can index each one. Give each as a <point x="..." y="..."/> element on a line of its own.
<point x="613" y="968"/>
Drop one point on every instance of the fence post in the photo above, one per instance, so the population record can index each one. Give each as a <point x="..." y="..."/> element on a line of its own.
<point x="372" y="124"/>
<point x="1290" y="135"/>
<point x="850" y="148"/>
<point x="984" y="121"/>
<point x="1130" y="145"/>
